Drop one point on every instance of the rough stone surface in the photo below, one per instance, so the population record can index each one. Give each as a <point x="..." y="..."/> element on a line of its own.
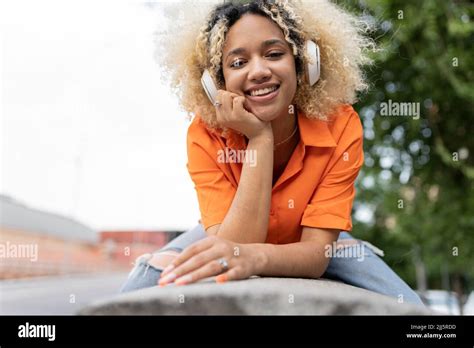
<point x="255" y="296"/>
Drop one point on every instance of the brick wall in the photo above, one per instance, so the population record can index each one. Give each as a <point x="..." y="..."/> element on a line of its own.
<point x="116" y="251"/>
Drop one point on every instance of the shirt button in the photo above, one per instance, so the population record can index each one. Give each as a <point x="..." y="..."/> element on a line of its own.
<point x="272" y="212"/>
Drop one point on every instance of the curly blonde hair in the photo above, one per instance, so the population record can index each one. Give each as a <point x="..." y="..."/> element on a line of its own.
<point x="195" y="38"/>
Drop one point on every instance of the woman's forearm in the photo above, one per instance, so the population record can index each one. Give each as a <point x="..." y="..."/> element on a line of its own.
<point x="301" y="259"/>
<point x="247" y="218"/>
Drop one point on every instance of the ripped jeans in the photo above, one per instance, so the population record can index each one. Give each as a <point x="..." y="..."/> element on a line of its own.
<point x="353" y="261"/>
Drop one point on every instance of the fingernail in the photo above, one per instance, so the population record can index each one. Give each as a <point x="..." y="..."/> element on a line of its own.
<point x="222" y="278"/>
<point x="169" y="278"/>
<point x="183" y="280"/>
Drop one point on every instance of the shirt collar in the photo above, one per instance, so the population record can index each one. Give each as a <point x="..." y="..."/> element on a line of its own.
<point x="314" y="132"/>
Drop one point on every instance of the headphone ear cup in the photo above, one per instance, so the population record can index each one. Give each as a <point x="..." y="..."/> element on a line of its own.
<point x="209" y="86"/>
<point x="312" y="70"/>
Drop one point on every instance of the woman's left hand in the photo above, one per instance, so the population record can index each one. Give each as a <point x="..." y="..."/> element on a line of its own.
<point x="201" y="260"/>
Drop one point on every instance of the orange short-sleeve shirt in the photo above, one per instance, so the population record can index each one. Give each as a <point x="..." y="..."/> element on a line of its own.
<point x="316" y="189"/>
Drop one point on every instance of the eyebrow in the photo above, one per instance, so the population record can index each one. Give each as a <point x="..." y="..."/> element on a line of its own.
<point x="264" y="44"/>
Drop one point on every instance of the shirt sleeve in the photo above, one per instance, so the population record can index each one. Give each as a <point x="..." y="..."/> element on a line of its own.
<point x="331" y="204"/>
<point x="215" y="192"/>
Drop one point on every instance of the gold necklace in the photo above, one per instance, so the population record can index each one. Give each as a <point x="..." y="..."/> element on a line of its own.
<point x="291" y="136"/>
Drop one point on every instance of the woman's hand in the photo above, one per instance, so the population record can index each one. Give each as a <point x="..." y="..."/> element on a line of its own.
<point x="201" y="260"/>
<point x="232" y="114"/>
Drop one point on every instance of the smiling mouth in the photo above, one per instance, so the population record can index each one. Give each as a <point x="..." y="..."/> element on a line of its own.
<point x="262" y="95"/>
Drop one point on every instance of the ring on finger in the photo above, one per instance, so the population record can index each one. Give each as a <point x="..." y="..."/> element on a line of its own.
<point x="224" y="264"/>
<point x="217" y="104"/>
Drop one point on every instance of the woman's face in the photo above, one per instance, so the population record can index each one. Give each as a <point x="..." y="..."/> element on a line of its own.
<point x="256" y="60"/>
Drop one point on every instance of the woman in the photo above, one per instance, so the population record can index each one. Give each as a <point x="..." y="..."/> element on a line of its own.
<point x="275" y="157"/>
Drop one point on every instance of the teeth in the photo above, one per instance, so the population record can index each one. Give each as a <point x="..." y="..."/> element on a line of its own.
<point x="263" y="91"/>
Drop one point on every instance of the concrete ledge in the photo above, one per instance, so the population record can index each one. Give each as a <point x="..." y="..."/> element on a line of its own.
<point x="255" y="296"/>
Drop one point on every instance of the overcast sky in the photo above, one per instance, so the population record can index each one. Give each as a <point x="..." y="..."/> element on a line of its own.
<point x="87" y="129"/>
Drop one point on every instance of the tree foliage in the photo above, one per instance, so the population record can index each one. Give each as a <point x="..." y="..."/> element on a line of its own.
<point x="416" y="189"/>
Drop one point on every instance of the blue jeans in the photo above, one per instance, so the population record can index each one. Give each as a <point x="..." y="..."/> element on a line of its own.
<point x="355" y="264"/>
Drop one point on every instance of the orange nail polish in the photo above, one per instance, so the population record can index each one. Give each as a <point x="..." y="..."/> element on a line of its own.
<point x="222" y="278"/>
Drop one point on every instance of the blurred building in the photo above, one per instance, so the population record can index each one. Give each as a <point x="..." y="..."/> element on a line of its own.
<point x="36" y="243"/>
<point x="124" y="246"/>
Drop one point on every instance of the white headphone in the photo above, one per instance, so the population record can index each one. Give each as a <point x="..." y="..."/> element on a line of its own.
<point x="312" y="71"/>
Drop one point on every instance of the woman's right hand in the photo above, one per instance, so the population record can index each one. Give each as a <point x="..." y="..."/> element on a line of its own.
<point x="232" y="114"/>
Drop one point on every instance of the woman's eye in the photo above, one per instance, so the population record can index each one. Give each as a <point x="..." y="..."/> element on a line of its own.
<point x="273" y="55"/>
<point x="233" y="64"/>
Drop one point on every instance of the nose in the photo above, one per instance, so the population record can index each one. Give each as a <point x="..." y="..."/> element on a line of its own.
<point x="259" y="71"/>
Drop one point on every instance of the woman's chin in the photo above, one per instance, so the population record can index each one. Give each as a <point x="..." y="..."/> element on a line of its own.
<point x="266" y="114"/>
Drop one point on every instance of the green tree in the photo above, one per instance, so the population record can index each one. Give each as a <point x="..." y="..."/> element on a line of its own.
<point x="418" y="177"/>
